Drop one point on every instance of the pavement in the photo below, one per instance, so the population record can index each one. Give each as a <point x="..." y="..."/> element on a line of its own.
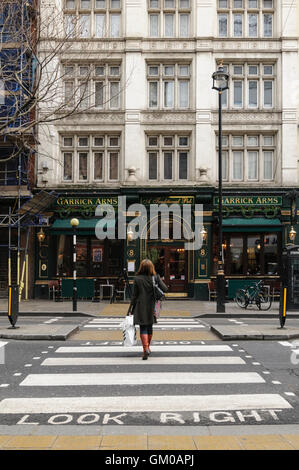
<point x="171" y="308"/>
<point x="149" y="441"/>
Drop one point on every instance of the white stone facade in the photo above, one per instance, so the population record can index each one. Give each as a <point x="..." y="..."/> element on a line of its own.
<point x="165" y="91"/>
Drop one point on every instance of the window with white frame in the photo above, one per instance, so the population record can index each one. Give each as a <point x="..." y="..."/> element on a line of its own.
<point x="245" y="18"/>
<point x="92" y="18"/>
<point x="252" y="86"/>
<point x="168" y="157"/>
<point x="169" y="18"/>
<point x="168" y="86"/>
<point x="87" y="158"/>
<point x="248" y="157"/>
<point x="92" y="86"/>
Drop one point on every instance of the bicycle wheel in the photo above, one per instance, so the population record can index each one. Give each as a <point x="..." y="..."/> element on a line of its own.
<point x="263" y="300"/>
<point x="241" y="298"/>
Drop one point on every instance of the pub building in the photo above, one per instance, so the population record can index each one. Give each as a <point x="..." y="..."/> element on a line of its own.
<point x="256" y="227"/>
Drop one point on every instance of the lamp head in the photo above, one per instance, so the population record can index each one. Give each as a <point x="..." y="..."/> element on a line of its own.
<point x="292" y="234"/>
<point x="220" y="79"/>
<point x="41" y="235"/>
<point x="74" y="223"/>
<point x="203" y="233"/>
<point x="130" y="234"/>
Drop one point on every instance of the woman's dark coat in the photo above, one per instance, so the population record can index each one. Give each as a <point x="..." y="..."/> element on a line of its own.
<point x="143" y="300"/>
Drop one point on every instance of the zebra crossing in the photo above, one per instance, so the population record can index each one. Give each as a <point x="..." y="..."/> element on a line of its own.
<point x="164" y="323"/>
<point x="185" y="384"/>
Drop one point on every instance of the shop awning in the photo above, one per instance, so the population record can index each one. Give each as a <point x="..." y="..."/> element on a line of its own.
<point x="255" y="224"/>
<point x="85" y="227"/>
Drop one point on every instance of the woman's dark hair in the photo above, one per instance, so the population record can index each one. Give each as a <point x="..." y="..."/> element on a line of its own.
<point x="146" y="268"/>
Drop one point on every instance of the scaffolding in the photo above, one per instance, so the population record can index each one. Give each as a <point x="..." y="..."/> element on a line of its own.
<point x="28" y="215"/>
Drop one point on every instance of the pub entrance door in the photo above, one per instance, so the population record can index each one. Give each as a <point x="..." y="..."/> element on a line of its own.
<point x="171" y="264"/>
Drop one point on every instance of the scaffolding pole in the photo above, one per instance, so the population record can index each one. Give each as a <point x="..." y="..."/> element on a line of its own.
<point x="23" y="268"/>
<point x="9" y="249"/>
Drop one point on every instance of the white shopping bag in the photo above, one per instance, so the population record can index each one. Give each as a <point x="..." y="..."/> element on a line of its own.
<point x="129" y="331"/>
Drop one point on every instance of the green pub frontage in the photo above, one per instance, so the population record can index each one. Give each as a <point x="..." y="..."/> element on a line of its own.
<point x="256" y="227"/>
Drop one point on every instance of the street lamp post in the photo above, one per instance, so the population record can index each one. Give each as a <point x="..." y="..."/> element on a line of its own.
<point x="74" y="224"/>
<point x="220" y="83"/>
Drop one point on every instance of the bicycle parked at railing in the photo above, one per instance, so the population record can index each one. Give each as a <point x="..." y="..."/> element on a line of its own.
<point x="256" y="294"/>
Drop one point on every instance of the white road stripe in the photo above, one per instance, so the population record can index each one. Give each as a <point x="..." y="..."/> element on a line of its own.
<point x="137" y="349"/>
<point x="156" y="327"/>
<point x="137" y="378"/>
<point x="111" y="320"/>
<point x="3" y="343"/>
<point x="142" y="403"/>
<point x="89" y="361"/>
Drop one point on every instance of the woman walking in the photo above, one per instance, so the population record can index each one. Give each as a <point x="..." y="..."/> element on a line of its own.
<point x="143" y="302"/>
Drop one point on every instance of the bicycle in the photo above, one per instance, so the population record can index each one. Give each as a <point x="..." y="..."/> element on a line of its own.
<point x="257" y="294"/>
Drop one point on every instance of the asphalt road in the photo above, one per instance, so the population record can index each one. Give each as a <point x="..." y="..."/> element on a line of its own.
<point x="184" y="383"/>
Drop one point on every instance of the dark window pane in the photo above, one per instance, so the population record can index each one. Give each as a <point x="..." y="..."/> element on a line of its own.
<point x="82" y="166"/>
<point x="236" y="251"/>
<point x="153" y="166"/>
<point x="82" y="259"/>
<point x="153" y="141"/>
<point x="270" y="253"/>
<point x="254" y="249"/>
<point x="97" y="258"/>
<point x="99" y="141"/>
<point x="168" y="165"/>
<point x="67" y="166"/>
<point x="64" y="255"/>
<point x="98" y="166"/>
<point x="113" y="170"/>
<point x="183" y="165"/>
<point x="99" y="94"/>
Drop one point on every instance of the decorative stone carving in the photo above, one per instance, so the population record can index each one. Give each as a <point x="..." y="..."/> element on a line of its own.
<point x="168" y="117"/>
<point x="243" y="117"/>
<point x="131" y="175"/>
<point x="203" y="173"/>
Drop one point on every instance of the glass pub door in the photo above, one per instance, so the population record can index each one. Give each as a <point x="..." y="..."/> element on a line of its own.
<point x="171" y="264"/>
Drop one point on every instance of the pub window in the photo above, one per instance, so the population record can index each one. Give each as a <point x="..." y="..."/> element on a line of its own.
<point x="94" y="257"/>
<point x="252" y="254"/>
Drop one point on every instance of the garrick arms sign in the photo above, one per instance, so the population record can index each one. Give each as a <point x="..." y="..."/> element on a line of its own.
<point x="85" y="206"/>
<point x="248" y="206"/>
<point x="249" y="200"/>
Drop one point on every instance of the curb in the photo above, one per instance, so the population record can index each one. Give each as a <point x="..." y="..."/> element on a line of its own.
<point x="52" y="314"/>
<point x="253" y="336"/>
<point x="40" y="336"/>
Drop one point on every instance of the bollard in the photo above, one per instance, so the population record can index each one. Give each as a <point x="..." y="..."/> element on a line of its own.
<point x="283" y="306"/>
<point x="13" y="304"/>
<point x="58" y="296"/>
<point x="96" y="288"/>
